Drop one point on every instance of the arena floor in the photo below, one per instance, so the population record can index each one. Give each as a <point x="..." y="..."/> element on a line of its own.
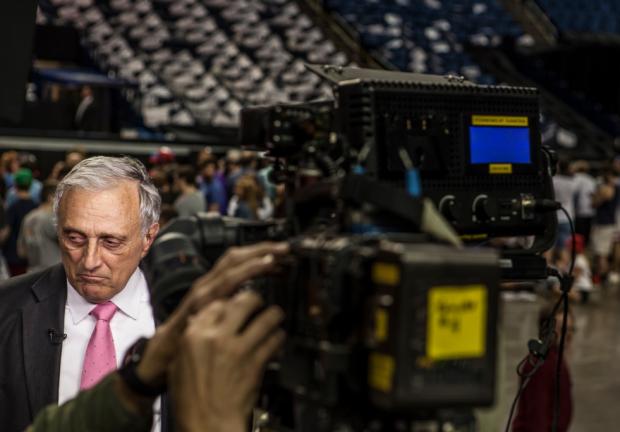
<point x="593" y="359"/>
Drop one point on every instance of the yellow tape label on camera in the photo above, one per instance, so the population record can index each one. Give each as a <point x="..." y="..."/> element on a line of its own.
<point x="489" y="120"/>
<point x="385" y="273"/>
<point x="500" y="168"/>
<point x="381" y="372"/>
<point x="456" y="326"/>
<point x="382" y="325"/>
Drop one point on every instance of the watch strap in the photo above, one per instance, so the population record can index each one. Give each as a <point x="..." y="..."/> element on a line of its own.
<point x="129" y="375"/>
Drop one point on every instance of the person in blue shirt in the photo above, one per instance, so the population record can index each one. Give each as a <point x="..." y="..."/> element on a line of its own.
<point x="15" y="214"/>
<point x="213" y="188"/>
<point x="28" y="161"/>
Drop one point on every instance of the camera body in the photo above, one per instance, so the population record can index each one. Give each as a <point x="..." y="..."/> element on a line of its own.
<point x="378" y="328"/>
<point x="385" y="323"/>
<point x="476" y="148"/>
<point x="392" y="324"/>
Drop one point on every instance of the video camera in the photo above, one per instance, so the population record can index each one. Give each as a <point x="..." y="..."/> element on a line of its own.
<point x="389" y="320"/>
<point x="476" y="150"/>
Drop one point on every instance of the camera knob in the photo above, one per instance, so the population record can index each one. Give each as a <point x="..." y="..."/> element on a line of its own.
<point x="447" y="207"/>
<point x="480" y="208"/>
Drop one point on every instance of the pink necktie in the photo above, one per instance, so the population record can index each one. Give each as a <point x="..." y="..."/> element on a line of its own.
<point x="100" y="356"/>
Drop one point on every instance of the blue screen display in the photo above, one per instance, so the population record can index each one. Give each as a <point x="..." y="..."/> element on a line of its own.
<point x="492" y="144"/>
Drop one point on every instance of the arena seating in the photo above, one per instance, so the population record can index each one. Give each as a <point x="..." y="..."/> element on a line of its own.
<point x="584" y="16"/>
<point x="197" y="62"/>
<point x="200" y="61"/>
<point x="428" y="36"/>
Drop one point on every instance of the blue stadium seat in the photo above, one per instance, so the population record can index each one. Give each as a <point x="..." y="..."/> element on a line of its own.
<point x="583" y="16"/>
<point x="439" y="28"/>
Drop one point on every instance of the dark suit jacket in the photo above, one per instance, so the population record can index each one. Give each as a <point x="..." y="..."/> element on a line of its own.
<point x="30" y="306"/>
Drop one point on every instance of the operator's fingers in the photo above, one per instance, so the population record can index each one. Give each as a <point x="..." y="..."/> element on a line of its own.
<point x="228" y="281"/>
<point x="261" y="327"/>
<point x="238" y="311"/>
<point x="203" y="323"/>
<point x="237" y="255"/>
<point x="204" y="279"/>
<point x="197" y="303"/>
<point x="236" y="266"/>
<point x="268" y="348"/>
<point x="208" y="316"/>
<point x="194" y="301"/>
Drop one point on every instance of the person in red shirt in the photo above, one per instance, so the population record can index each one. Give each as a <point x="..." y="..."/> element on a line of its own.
<point x="536" y="404"/>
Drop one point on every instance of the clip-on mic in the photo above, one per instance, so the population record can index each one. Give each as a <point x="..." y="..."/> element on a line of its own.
<point x="55" y="337"/>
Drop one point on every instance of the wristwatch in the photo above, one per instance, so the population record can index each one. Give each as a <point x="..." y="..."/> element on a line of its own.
<point x="128" y="374"/>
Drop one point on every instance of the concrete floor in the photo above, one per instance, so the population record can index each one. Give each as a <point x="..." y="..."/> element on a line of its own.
<point x="594" y="359"/>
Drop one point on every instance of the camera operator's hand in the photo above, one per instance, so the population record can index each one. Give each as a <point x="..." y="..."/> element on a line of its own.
<point x="216" y="375"/>
<point x="236" y="266"/>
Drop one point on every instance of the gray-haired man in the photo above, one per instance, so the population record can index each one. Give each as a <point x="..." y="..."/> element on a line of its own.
<point x="65" y="327"/>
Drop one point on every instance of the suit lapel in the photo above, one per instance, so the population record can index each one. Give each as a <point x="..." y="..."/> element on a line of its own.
<point x="41" y="357"/>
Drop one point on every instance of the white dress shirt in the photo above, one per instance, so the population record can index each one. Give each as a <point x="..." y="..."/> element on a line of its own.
<point x="132" y="320"/>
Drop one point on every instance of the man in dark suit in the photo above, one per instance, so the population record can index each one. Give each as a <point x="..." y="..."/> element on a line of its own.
<point x="53" y="342"/>
<point x="212" y="363"/>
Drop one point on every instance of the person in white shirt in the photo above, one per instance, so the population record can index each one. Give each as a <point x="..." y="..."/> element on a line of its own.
<point x="585" y="186"/>
<point x="582" y="274"/>
<point x="565" y="194"/>
<point x="107" y="213"/>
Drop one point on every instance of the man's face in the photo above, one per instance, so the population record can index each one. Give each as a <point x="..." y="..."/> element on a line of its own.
<point x="101" y="239"/>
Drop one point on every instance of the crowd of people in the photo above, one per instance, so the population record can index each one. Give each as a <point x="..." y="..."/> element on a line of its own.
<point x="593" y="203"/>
<point x="233" y="184"/>
<point x="591" y="199"/>
<point x="27" y="232"/>
<point x="238" y="184"/>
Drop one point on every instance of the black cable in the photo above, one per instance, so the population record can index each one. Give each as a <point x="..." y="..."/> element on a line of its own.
<point x="522" y="385"/>
<point x="514" y="403"/>
<point x="572" y="231"/>
<point x="525" y="379"/>
<point x="562" y="279"/>
<point x="565" y="285"/>
<point x="556" y="398"/>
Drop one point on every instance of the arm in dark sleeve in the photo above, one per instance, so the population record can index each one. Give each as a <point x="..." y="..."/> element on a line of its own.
<point x="2" y="216"/>
<point x="98" y="409"/>
<point x="4" y="230"/>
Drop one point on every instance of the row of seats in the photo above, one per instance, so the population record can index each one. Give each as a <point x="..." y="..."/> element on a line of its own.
<point x="200" y="61"/>
<point x="429" y="36"/>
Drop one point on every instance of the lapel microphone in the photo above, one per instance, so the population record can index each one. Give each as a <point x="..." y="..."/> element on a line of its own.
<point x="56" y="338"/>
